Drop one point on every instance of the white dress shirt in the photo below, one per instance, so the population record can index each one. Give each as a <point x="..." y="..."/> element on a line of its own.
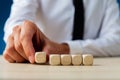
<point x="55" y="19"/>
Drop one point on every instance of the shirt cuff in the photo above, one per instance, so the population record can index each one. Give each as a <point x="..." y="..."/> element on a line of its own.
<point x="75" y="47"/>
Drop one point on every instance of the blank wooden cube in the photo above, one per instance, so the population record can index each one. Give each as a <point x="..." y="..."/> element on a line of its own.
<point x="66" y="59"/>
<point x="76" y="59"/>
<point x="87" y="59"/>
<point x="54" y="59"/>
<point x="40" y="57"/>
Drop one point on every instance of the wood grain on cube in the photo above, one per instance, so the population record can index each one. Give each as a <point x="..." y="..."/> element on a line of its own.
<point x="54" y="59"/>
<point x="76" y="59"/>
<point x="66" y="59"/>
<point x="40" y="57"/>
<point x="87" y="59"/>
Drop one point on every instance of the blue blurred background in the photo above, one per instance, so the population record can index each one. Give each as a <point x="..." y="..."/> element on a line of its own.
<point x="5" y="6"/>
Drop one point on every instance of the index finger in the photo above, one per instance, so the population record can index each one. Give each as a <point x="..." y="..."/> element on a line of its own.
<point x="27" y="33"/>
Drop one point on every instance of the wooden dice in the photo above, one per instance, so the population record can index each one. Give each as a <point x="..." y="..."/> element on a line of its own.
<point x="76" y="59"/>
<point x="40" y="57"/>
<point x="65" y="59"/>
<point x="54" y="59"/>
<point x="87" y="59"/>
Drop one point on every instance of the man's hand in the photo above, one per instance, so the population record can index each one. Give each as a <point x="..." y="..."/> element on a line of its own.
<point x="26" y="39"/>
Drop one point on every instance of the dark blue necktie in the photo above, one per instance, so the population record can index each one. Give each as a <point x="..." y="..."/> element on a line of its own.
<point x="78" y="27"/>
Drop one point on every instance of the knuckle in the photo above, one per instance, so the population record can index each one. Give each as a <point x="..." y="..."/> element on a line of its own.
<point x="15" y="28"/>
<point x="29" y="24"/>
<point x="5" y="55"/>
<point x="9" y="50"/>
<point x="18" y="46"/>
<point x="9" y="37"/>
<point x="26" y="21"/>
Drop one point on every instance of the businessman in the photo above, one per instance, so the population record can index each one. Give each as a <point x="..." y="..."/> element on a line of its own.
<point x="62" y="27"/>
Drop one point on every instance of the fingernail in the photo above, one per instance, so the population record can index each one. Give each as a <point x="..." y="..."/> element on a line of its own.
<point x="31" y="59"/>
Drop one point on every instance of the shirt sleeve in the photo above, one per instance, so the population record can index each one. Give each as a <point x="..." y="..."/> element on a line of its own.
<point x="108" y="42"/>
<point x="21" y="10"/>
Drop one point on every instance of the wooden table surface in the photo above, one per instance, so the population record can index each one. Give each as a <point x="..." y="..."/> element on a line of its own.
<point x="103" y="69"/>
